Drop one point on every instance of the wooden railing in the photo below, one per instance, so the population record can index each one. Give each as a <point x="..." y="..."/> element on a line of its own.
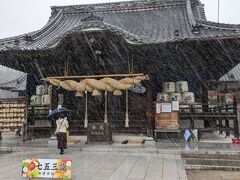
<point x="212" y="114"/>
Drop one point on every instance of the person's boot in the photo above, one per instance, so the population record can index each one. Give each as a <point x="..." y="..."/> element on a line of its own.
<point x="62" y="151"/>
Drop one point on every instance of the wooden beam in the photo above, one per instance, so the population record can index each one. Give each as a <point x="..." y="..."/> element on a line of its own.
<point x="95" y="76"/>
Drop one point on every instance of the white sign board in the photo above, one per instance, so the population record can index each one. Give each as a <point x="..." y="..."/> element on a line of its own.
<point x="175" y="105"/>
<point x="158" y="108"/>
<point x="47" y="168"/>
<point x="166" y="107"/>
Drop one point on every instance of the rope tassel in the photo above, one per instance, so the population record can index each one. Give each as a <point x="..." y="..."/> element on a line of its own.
<point x="126" y="118"/>
<point x="105" y="113"/>
<point x="86" y="112"/>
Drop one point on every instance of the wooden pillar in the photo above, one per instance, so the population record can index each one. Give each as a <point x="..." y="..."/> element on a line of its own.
<point x="236" y="103"/>
<point x="205" y="98"/>
<point x="149" y="109"/>
<point x="227" y="122"/>
<point x="205" y="95"/>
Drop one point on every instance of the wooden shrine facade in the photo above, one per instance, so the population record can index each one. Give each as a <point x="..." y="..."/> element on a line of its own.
<point x="115" y="38"/>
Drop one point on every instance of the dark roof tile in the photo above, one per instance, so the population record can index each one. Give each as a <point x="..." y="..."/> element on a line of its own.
<point x="150" y="21"/>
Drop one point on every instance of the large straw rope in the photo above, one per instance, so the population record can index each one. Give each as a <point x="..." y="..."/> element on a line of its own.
<point x="130" y="81"/>
<point x="54" y="82"/>
<point x="69" y="85"/>
<point x="144" y="77"/>
<point x="99" y="85"/>
<point x="116" y="84"/>
<point x="82" y="86"/>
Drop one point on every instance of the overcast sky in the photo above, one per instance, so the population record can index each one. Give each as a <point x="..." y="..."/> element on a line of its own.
<point x="22" y="16"/>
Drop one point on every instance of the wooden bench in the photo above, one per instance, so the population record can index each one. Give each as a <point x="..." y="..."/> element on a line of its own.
<point x="177" y="131"/>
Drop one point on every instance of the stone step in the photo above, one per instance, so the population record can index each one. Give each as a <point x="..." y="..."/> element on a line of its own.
<point x="212" y="162"/>
<point x="209" y="167"/>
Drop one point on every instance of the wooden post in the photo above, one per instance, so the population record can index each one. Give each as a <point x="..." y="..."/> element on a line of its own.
<point x="227" y="122"/>
<point x="126" y="117"/>
<point x="149" y="109"/>
<point x="205" y="99"/>
<point x="236" y="103"/>
<point x="86" y="111"/>
<point x="105" y="112"/>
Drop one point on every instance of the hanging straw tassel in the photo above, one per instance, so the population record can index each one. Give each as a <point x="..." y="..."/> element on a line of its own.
<point x="105" y="113"/>
<point x="96" y="92"/>
<point x="86" y="112"/>
<point x="126" y="118"/>
<point x="79" y="94"/>
<point x="117" y="92"/>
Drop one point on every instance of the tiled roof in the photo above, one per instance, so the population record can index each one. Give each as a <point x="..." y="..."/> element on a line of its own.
<point x="146" y="21"/>
<point x="8" y="74"/>
<point x="232" y="75"/>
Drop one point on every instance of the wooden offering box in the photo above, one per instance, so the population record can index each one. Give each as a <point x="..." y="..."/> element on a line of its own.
<point x="167" y="120"/>
<point x="166" y="117"/>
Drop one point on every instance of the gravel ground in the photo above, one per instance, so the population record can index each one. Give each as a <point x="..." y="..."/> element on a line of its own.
<point x="212" y="175"/>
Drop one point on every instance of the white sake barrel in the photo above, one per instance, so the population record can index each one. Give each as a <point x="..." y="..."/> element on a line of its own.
<point x="213" y="97"/>
<point x="162" y="97"/>
<point x="188" y="97"/>
<point x="46" y="99"/>
<point x="229" y="98"/>
<point x="41" y="89"/>
<point x="168" y="87"/>
<point x="181" y="86"/>
<point x="175" y="97"/>
<point x="36" y="100"/>
<point x="50" y="88"/>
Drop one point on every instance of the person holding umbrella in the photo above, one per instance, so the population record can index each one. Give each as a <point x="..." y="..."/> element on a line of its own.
<point x="61" y="132"/>
<point x="62" y="126"/>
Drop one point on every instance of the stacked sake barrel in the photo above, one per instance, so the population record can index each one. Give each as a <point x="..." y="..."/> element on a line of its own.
<point x="12" y="116"/>
<point x="172" y="91"/>
<point x="176" y="91"/>
<point x="43" y="96"/>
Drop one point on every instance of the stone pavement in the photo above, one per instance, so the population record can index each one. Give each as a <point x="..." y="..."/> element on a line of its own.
<point x="115" y="161"/>
<point x="101" y="165"/>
